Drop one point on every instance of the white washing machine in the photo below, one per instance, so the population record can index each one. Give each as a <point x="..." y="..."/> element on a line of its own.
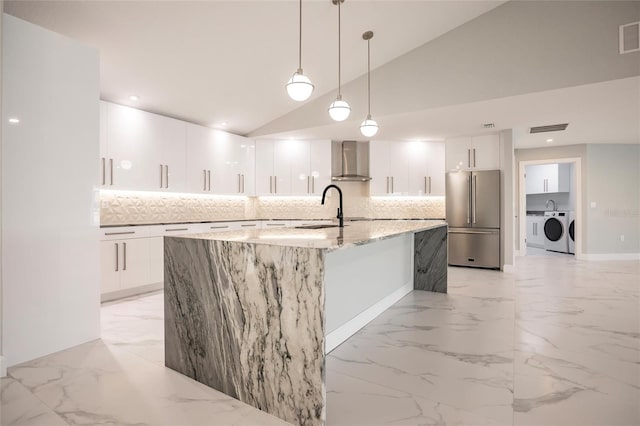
<point x="571" y="234"/>
<point x="555" y="231"/>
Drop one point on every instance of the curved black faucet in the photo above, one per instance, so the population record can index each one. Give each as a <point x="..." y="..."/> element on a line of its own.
<point x="340" y="218"/>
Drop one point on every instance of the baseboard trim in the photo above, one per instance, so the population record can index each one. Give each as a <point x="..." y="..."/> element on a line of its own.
<point x="342" y="333"/>
<point x="508" y="268"/>
<point x="121" y="294"/>
<point x="610" y="256"/>
<point x="3" y="367"/>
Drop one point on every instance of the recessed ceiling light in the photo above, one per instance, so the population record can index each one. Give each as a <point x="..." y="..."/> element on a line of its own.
<point x="224" y="123"/>
<point x="549" y="140"/>
<point x="14" y="120"/>
<point x="134" y="98"/>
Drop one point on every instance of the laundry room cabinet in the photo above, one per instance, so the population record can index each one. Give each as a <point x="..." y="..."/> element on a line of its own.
<point x="545" y="178"/>
<point x="535" y="231"/>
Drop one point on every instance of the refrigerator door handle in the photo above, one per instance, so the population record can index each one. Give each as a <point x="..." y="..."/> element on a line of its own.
<point x="469" y="203"/>
<point x="452" y="231"/>
<point x="469" y="158"/>
<point x="475" y="197"/>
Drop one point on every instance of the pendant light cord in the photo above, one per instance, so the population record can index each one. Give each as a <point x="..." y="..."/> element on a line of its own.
<point x="369" y="74"/>
<point x="339" y="26"/>
<point x="300" y="40"/>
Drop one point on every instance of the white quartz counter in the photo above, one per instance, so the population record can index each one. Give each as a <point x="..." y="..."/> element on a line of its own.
<point x="353" y="234"/>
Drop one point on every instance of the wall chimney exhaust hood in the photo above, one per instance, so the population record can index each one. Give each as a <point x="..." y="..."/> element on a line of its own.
<point x="350" y="161"/>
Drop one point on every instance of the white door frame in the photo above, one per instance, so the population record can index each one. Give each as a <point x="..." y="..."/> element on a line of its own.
<point x="522" y="201"/>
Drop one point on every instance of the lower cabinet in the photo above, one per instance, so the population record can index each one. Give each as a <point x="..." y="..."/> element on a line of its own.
<point x="535" y="231"/>
<point x="131" y="265"/>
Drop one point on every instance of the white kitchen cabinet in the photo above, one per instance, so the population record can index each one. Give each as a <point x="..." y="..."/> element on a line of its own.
<point x="292" y="167"/>
<point x="389" y="164"/>
<point x="535" y="231"/>
<point x="128" y="264"/>
<point x="473" y="153"/>
<point x="219" y="162"/>
<point x="144" y="151"/>
<point x="426" y="168"/>
<point x="545" y="178"/>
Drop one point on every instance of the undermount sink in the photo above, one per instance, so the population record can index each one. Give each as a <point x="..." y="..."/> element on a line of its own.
<point x="317" y="226"/>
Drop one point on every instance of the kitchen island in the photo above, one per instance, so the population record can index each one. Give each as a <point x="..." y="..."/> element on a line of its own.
<point x="252" y="313"/>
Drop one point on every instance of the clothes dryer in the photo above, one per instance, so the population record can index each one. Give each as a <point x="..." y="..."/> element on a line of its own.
<point x="555" y="231"/>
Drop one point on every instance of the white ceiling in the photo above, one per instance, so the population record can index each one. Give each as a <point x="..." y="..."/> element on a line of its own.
<point x="214" y="61"/>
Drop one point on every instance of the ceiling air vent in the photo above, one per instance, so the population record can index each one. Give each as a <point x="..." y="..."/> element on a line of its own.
<point x="630" y="38"/>
<point x="550" y="128"/>
<point x="489" y="125"/>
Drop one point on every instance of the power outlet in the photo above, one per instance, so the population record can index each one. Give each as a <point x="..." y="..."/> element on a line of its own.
<point x="622" y="238"/>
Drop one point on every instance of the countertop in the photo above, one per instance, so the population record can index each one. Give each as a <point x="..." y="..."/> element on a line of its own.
<point x="330" y="239"/>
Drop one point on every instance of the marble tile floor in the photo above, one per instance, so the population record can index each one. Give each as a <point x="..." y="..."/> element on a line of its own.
<point x="556" y="342"/>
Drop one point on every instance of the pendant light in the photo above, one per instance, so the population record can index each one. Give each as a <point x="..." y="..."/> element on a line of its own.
<point x="299" y="87"/>
<point x="339" y="109"/>
<point x="369" y="127"/>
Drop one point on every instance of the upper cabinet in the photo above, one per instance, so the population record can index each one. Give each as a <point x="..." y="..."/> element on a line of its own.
<point x="548" y="178"/>
<point x="407" y="168"/>
<point x="219" y="162"/>
<point x="473" y="153"/>
<point x="144" y="151"/>
<point x="292" y="167"/>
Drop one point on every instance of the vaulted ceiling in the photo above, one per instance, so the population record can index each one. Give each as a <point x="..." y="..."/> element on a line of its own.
<point x="440" y="68"/>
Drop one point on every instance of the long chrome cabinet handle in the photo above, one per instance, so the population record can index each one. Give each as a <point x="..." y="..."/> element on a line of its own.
<point x="313" y="184"/>
<point x="468" y="158"/>
<point x="209" y="179"/>
<point x="119" y="233"/>
<point x="243" y="183"/>
<point x="472" y="232"/>
<point x="219" y="227"/>
<point x="124" y="256"/>
<point x="104" y="171"/>
<point x="474" y="157"/>
<point x="166" y="176"/>
<point x="204" y="173"/>
<point x="387" y="184"/>
<point x="161" y="176"/>
<point x="429" y="184"/>
<point x="176" y="229"/>
<point x="308" y="184"/>
<point x="475" y="197"/>
<point x="425" y="184"/>
<point x="275" y="184"/>
<point x="110" y="171"/>
<point x="392" y="191"/>
<point x="239" y="183"/>
<point x="270" y="184"/>
<point x="469" y="199"/>
<point x="117" y="256"/>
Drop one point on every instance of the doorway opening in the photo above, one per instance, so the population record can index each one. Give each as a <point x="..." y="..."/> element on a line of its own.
<point x="550" y="207"/>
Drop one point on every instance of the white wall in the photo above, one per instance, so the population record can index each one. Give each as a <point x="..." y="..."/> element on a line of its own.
<point x="507" y="225"/>
<point x="612" y="184"/>
<point x="50" y="274"/>
<point x="3" y="370"/>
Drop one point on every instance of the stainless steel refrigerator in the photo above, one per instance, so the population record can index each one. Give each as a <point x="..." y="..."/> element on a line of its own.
<point x="473" y="215"/>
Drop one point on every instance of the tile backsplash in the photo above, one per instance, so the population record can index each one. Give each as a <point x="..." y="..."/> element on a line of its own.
<point x="137" y="207"/>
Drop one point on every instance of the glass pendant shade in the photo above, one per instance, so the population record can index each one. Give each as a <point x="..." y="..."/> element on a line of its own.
<point x="369" y="127"/>
<point x="299" y="87"/>
<point x="339" y="110"/>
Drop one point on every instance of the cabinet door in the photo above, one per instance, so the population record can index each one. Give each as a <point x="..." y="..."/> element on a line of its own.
<point x="564" y="177"/>
<point x="320" y="166"/>
<point x="226" y="174"/>
<point x="155" y="246"/>
<point x="485" y="154"/>
<point x="135" y="258"/>
<point x="538" y="234"/>
<point x="110" y="266"/>
<point x="552" y="177"/>
<point x="133" y="150"/>
<point x="379" y="168"/>
<point x="172" y="135"/>
<point x="264" y="167"/>
<point x="299" y="154"/>
<point x="399" y="168"/>
<point x="284" y="152"/>
<point x="535" y="179"/>
<point x="458" y="154"/>
<point x="246" y="152"/>
<point x="435" y="152"/>
<point x="530" y="230"/>
<point x="417" y="156"/>
<point x="200" y="158"/>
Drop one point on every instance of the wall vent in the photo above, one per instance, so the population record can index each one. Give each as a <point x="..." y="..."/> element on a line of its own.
<point x="489" y="125"/>
<point x="630" y="38"/>
<point x="549" y="128"/>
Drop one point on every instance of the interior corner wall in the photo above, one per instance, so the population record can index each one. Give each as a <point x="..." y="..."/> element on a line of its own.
<point x="2" y="366"/>
<point x="507" y="162"/>
<point x="551" y="153"/>
<point x="612" y="184"/>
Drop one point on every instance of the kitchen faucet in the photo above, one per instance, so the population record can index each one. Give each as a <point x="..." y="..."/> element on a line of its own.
<point x="340" y="218"/>
<point x="554" y="205"/>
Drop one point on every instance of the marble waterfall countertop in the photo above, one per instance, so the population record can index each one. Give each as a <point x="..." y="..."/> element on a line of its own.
<point x="353" y="234"/>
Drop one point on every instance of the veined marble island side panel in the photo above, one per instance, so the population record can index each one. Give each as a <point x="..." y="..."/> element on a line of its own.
<point x="430" y="260"/>
<point x="248" y="320"/>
